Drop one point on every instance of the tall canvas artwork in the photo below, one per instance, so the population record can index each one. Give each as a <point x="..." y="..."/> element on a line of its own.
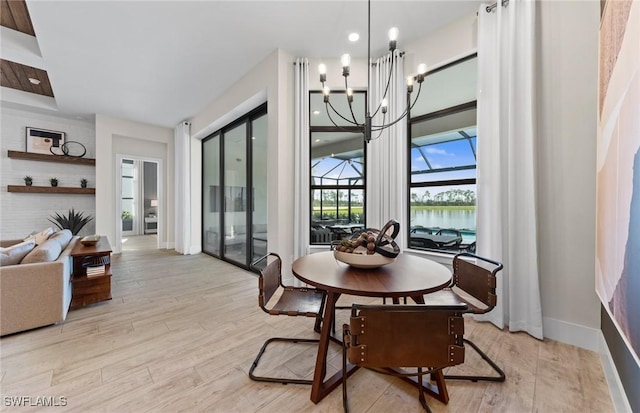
<point x="618" y="168"/>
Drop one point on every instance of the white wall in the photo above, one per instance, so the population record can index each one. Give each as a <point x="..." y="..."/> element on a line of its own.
<point x="22" y="213"/>
<point x="271" y="81"/>
<point x="443" y="46"/>
<point x="567" y="105"/>
<point x="122" y="137"/>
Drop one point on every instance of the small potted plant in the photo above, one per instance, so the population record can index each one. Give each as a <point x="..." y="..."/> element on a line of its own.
<point x="28" y="181"/>
<point x="83" y="183"/>
<point x="54" y="181"/>
<point x="127" y="221"/>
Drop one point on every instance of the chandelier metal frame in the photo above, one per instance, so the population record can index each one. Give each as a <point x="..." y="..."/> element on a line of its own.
<point x="368" y="128"/>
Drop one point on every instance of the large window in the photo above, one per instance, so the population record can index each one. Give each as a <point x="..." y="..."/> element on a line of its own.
<point x="337" y="171"/>
<point x="442" y="184"/>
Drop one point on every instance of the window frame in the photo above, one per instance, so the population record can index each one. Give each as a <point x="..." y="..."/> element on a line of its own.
<point x="319" y="187"/>
<point x="438" y="183"/>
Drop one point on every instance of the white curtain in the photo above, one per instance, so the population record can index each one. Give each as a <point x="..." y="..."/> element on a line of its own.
<point x="506" y="186"/>
<point x="182" y="164"/>
<point x="387" y="179"/>
<point x="302" y="162"/>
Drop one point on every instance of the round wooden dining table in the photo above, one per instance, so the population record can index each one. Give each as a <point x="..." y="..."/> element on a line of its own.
<point x="407" y="276"/>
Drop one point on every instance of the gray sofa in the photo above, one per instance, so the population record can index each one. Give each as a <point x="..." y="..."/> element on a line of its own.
<point x="35" y="294"/>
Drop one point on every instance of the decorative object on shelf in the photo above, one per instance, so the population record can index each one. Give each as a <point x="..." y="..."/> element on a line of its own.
<point x="54" y="181"/>
<point x="83" y="183"/>
<point x="90" y="240"/>
<point x="368" y="128"/>
<point x="28" y="181"/>
<point x="73" y="149"/>
<point x="369" y="248"/>
<point x="73" y="221"/>
<point x="44" y="141"/>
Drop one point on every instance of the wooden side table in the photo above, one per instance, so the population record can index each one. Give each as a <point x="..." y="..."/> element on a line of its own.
<point x="91" y="278"/>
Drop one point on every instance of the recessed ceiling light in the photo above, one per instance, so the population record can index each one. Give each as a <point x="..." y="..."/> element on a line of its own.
<point x="316" y="112"/>
<point x="354" y="37"/>
<point x="34" y="81"/>
<point x="317" y="140"/>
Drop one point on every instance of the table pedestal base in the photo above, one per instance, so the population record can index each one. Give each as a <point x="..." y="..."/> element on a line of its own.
<point x="321" y="387"/>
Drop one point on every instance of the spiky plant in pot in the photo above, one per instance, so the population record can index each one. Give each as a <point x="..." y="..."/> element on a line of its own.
<point x="73" y="221"/>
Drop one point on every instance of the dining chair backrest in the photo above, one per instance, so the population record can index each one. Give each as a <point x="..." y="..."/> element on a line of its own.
<point x="405" y="336"/>
<point x="270" y="279"/>
<point x="476" y="277"/>
<point x="403" y="340"/>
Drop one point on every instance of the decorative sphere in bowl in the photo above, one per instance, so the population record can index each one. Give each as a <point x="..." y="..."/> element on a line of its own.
<point x="362" y="260"/>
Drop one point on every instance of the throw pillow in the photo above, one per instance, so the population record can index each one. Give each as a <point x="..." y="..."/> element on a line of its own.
<point x="48" y="251"/>
<point x="62" y="237"/>
<point x="41" y="236"/>
<point x="14" y="254"/>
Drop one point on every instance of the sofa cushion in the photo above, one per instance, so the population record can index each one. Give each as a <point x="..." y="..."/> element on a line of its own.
<point x="41" y="236"/>
<point x="62" y="237"/>
<point x="14" y="254"/>
<point x="48" y="251"/>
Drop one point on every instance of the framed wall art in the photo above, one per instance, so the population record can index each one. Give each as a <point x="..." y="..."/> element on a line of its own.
<point x="618" y="169"/>
<point x="44" y="141"/>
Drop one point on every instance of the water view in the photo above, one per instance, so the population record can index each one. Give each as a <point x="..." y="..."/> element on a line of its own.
<point x="464" y="220"/>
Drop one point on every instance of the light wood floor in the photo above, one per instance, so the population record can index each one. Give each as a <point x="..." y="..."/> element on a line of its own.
<point x="181" y="332"/>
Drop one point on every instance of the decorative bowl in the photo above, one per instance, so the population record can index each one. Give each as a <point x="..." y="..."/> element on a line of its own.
<point x="90" y="240"/>
<point x="362" y="260"/>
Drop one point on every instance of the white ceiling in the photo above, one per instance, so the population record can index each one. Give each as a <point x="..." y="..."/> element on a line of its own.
<point x="161" y="62"/>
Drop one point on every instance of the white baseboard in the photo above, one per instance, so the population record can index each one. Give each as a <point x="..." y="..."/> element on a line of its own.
<point x="618" y="395"/>
<point x="590" y="339"/>
<point x="573" y="334"/>
<point x="195" y="249"/>
<point x="170" y="245"/>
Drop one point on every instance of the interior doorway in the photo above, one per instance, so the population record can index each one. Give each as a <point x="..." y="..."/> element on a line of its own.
<point x="138" y="202"/>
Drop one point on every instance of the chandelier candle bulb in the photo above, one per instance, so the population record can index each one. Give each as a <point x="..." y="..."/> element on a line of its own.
<point x="384" y="105"/>
<point x="346" y="61"/>
<point x="393" y="37"/>
<point x="410" y="84"/>
<point x="325" y="92"/>
<point x="422" y="70"/>
<point x="322" y="68"/>
<point x="350" y="94"/>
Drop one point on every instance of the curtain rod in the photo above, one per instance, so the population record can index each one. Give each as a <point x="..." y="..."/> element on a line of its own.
<point x="494" y="5"/>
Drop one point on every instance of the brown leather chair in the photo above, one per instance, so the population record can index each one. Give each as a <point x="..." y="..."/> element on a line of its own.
<point x="293" y="301"/>
<point x="474" y="284"/>
<point x="387" y="337"/>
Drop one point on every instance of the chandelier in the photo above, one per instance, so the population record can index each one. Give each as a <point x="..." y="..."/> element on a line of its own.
<point x="368" y="128"/>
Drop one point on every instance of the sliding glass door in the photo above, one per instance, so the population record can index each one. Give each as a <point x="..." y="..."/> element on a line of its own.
<point x="211" y="217"/>
<point x="234" y="192"/>
<point x="235" y="220"/>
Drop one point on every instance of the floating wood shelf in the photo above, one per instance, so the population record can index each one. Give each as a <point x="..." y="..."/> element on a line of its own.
<point x="51" y="158"/>
<point x="50" y="190"/>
